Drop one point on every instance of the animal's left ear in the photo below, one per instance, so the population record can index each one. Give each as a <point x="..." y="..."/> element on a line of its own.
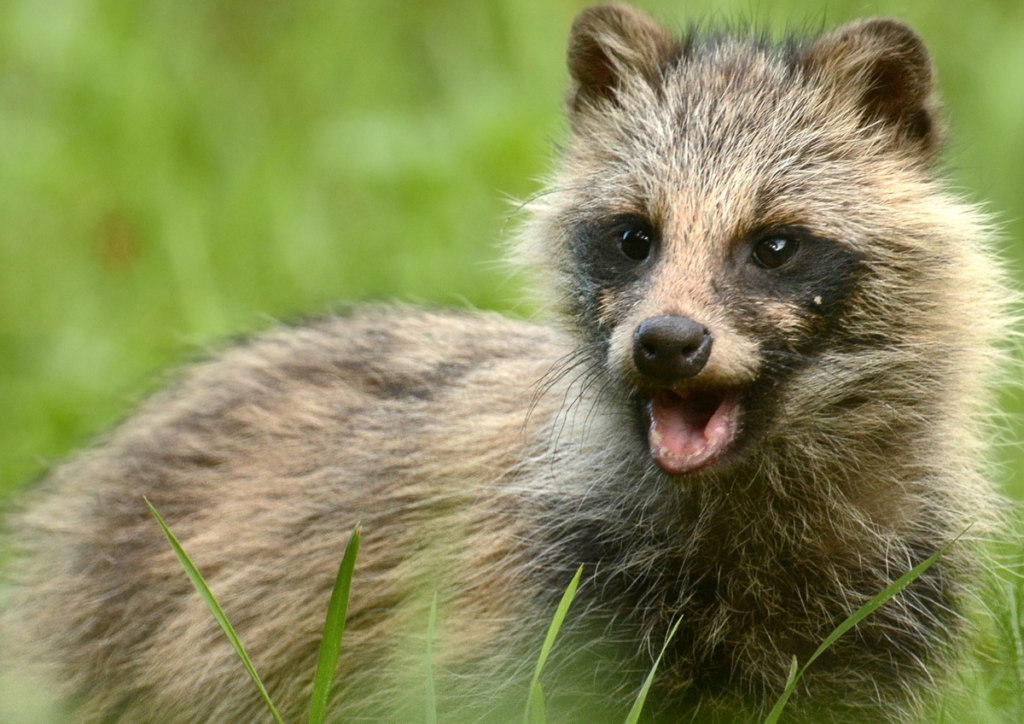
<point x="607" y="44"/>
<point x="887" y="65"/>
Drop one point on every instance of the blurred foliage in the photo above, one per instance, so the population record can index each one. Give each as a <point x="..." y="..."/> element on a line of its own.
<point x="174" y="171"/>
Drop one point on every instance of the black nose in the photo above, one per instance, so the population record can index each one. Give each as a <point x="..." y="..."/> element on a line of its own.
<point x="669" y="349"/>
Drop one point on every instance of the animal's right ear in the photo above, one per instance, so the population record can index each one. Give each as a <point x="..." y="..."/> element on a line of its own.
<point x="886" y="66"/>
<point x="607" y="44"/>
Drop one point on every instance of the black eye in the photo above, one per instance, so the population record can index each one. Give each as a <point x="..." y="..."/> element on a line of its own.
<point x="774" y="251"/>
<point x="635" y="242"/>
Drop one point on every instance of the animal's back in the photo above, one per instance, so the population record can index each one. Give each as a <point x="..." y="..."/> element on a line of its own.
<point x="262" y="460"/>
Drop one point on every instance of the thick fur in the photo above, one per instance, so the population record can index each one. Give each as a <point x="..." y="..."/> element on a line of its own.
<point x="487" y="458"/>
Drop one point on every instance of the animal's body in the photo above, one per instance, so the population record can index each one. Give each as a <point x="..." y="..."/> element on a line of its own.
<point x="759" y="400"/>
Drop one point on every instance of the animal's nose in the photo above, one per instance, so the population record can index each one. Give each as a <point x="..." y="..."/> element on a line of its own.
<point x="669" y="349"/>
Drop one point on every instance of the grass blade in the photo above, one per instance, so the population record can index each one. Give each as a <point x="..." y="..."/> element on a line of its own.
<point x="638" y="705"/>
<point x="215" y="609"/>
<point x="334" y="628"/>
<point x="853" y="619"/>
<point x="537" y="705"/>
<point x="431" y="717"/>
<point x="794" y="668"/>
<point x="549" y="640"/>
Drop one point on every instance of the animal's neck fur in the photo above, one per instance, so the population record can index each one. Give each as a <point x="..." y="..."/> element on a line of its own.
<point x="771" y="554"/>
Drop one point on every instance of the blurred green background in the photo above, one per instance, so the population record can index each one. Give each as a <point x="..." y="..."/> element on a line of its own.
<point x="173" y="172"/>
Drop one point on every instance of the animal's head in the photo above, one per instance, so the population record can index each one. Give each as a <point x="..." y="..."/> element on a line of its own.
<point x="749" y="236"/>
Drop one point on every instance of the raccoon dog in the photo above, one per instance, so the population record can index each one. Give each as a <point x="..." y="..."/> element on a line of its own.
<point x="760" y="399"/>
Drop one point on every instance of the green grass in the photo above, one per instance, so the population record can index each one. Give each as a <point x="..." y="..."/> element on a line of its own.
<point x="796" y="670"/>
<point x="535" y="700"/>
<point x="218" y="613"/>
<point x="334" y="625"/>
<point x="534" y="711"/>
<point x="172" y="173"/>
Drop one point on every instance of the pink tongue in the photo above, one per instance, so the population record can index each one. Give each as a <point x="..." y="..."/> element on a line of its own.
<point x="686" y="433"/>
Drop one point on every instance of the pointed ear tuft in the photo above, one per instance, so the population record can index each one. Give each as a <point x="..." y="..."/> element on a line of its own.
<point x="887" y="64"/>
<point x="607" y="43"/>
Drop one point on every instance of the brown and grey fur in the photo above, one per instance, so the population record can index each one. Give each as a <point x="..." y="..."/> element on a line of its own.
<point x="488" y="458"/>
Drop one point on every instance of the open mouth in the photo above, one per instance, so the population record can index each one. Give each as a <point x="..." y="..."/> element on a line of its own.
<point x="689" y="429"/>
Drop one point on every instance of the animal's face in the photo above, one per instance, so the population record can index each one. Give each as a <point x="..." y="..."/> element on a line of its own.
<point x="737" y="218"/>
